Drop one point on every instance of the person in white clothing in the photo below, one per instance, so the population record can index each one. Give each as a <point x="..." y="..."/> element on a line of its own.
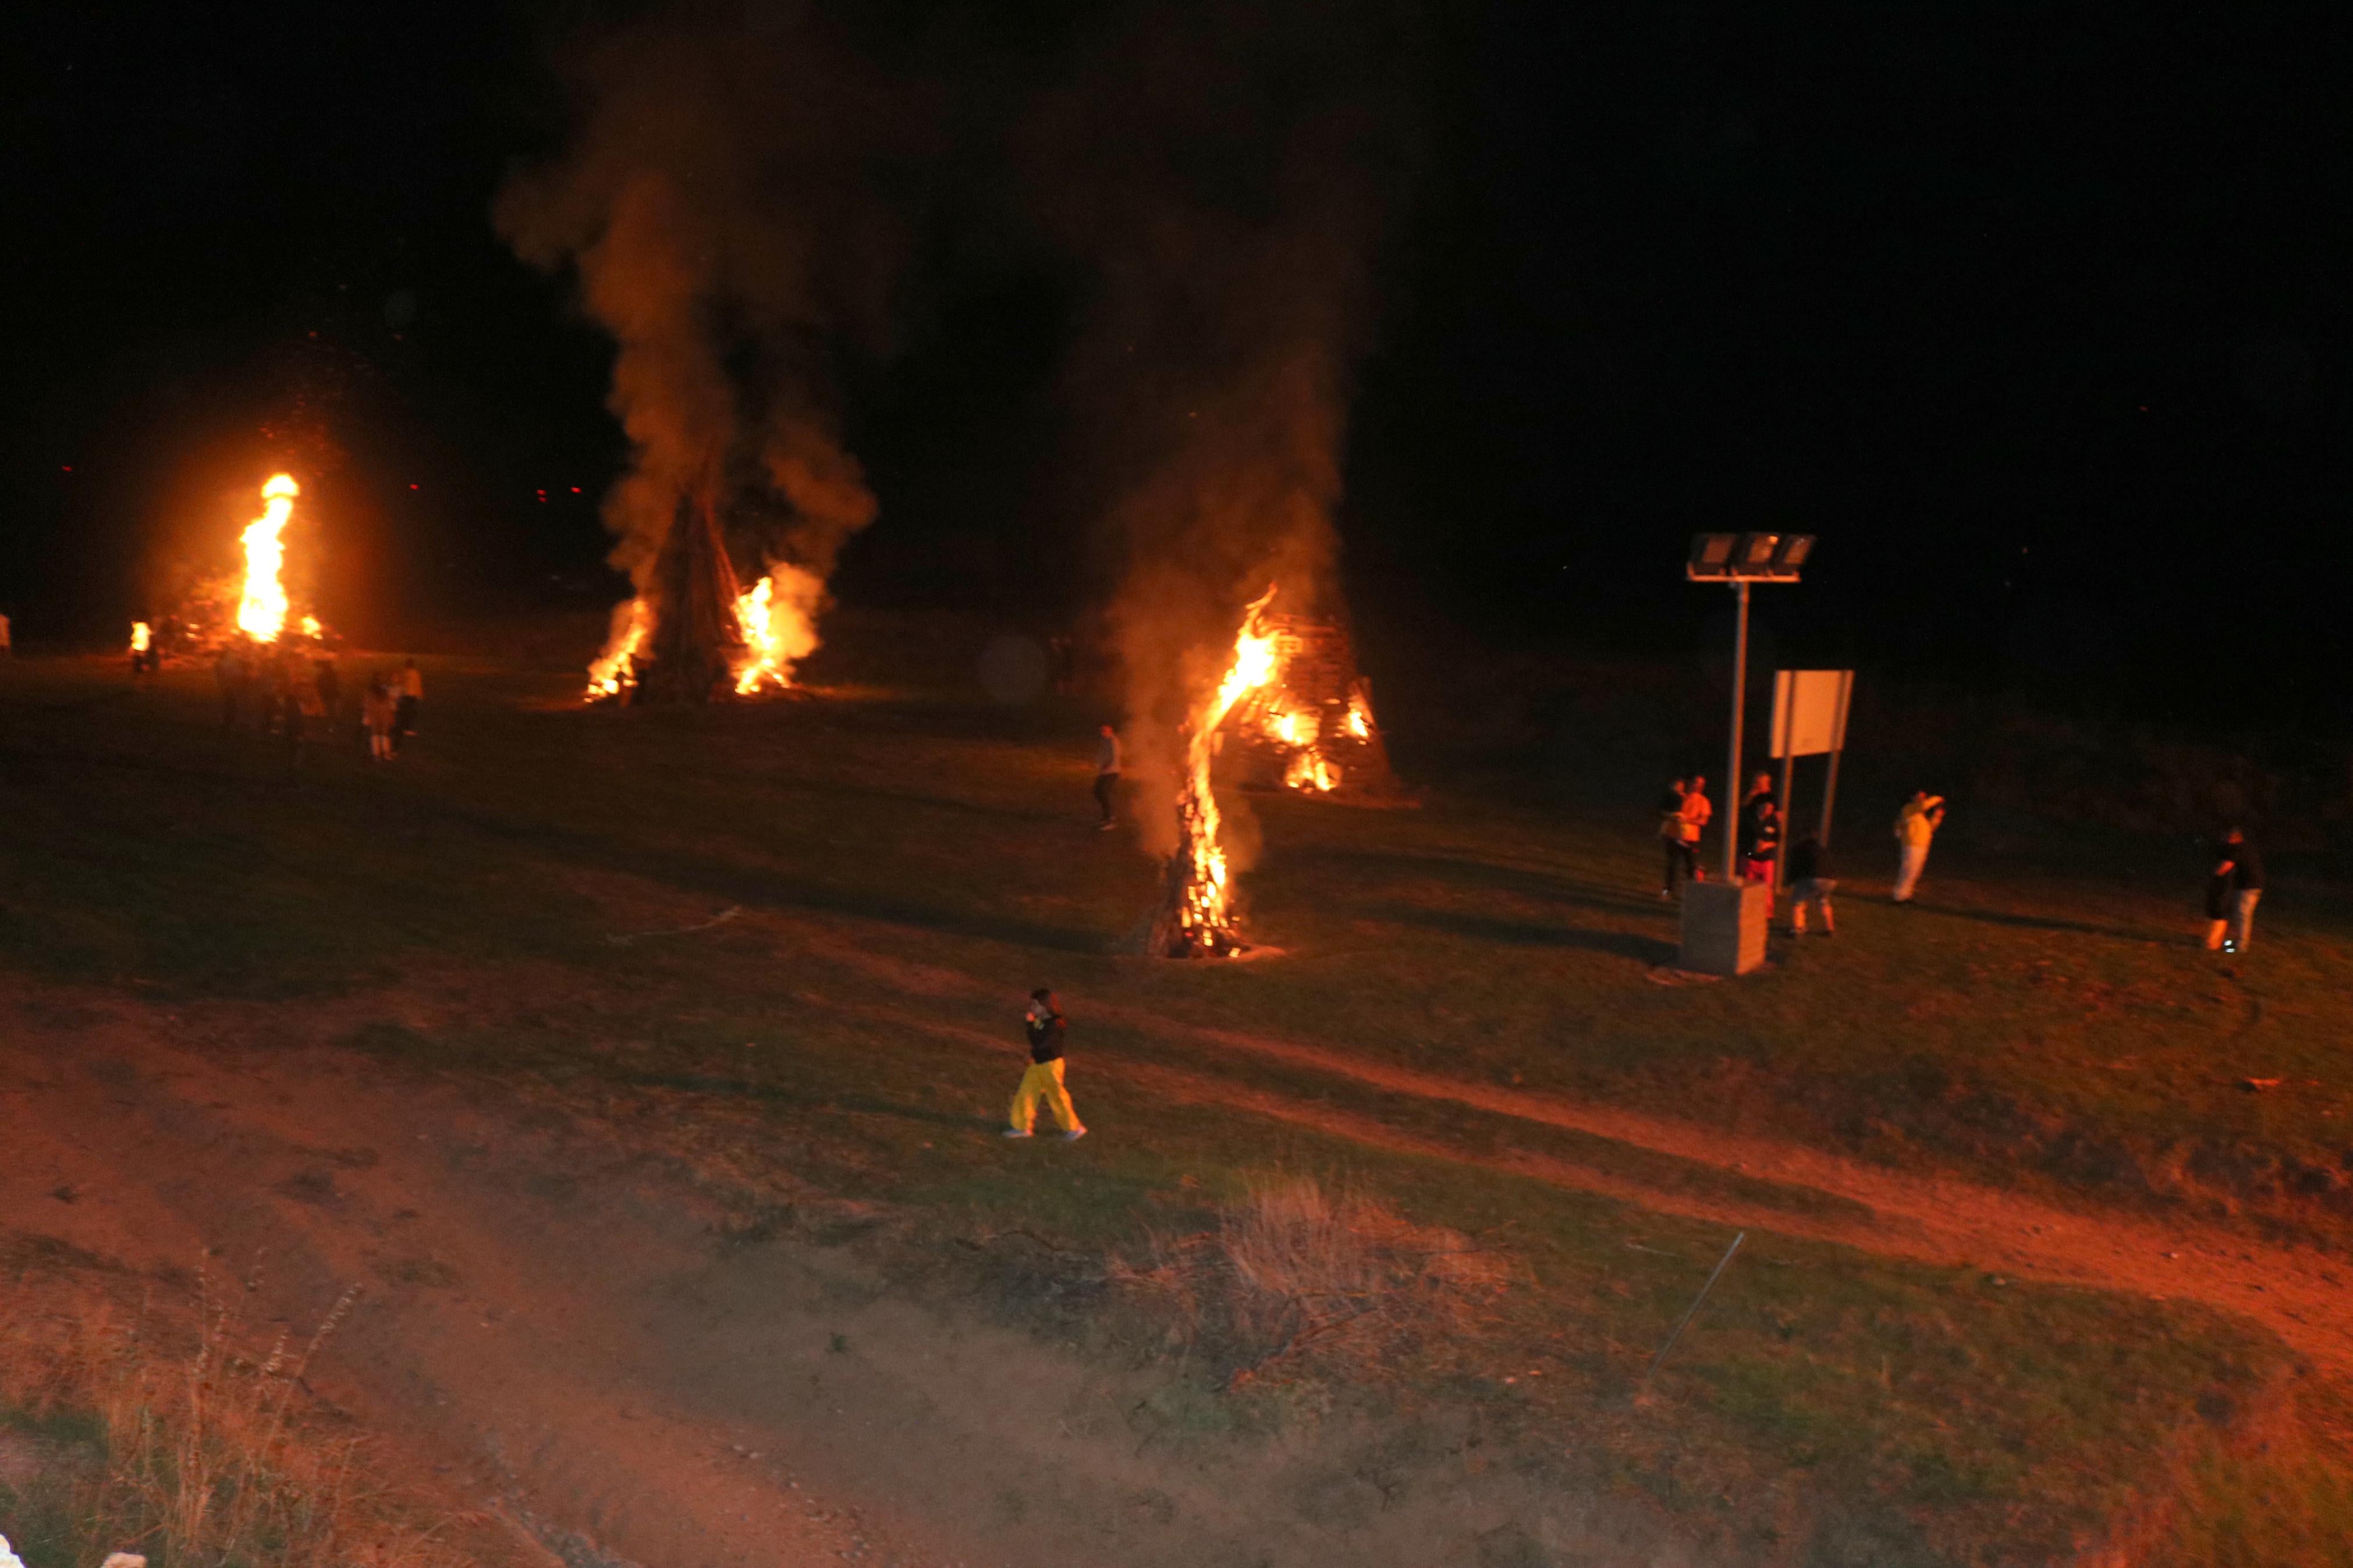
<point x="1916" y="829"/>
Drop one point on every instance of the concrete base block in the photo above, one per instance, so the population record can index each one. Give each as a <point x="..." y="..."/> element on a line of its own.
<point x="1724" y="927"/>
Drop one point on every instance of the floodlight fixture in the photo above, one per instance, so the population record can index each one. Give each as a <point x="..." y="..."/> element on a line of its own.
<point x="1748" y="557"/>
<point x="1711" y="556"/>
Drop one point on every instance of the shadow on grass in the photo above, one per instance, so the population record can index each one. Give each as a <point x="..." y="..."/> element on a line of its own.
<point x="762" y="889"/>
<point x="2142" y="937"/>
<point x="1547" y="887"/>
<point x="1644" y="950"/>
<point x="862" y="794"/>
<point x="802" y="1097"/>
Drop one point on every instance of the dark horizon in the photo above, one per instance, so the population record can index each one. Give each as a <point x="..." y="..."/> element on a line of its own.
<point x="2037" y="330"/>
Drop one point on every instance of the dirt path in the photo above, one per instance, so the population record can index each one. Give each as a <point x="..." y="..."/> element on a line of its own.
<point x="2304" y="1295"/>
<point x="571" y="1335"/>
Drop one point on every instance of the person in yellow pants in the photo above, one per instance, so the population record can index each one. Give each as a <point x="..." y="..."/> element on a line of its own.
<point x="1043" y="1077"/>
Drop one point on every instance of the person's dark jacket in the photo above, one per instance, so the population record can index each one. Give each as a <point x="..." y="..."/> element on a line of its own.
<point x="1046" y="1036"/>
<point x="1808" y="861"/>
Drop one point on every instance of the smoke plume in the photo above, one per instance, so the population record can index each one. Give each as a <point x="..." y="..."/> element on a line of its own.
<point x="1229" y="171"/>
<point x="719" y="202"/>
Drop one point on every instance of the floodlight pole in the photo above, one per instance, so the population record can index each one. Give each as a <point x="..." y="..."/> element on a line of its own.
<point x="1732" y="766"/>
<point x="1829" y="788"/>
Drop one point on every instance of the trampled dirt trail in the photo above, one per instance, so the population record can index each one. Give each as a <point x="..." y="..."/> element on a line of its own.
<point x="2304" y="1295"/>
<point x="580" y="1341"/>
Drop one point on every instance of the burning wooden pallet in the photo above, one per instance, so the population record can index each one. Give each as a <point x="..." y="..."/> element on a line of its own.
<point x="1311" y="728"/>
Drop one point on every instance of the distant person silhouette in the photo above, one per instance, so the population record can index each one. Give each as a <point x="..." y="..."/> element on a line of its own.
<point x="2233" y="889"/>
<point x="1107" y="761"/>
<point x="1916" y="829"/>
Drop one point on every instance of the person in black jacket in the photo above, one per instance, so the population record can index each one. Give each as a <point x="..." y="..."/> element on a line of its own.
<point x="1043" y="1078"/>
<point x="1811" y="882"/>
<point x="2233" y="889"/>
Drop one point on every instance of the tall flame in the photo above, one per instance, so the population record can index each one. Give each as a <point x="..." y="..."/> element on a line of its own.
<point x="778" y="618"/>
<point x="261" y="613"/>
<point x="139" y="637"/>
<point x="1205" y="912"/>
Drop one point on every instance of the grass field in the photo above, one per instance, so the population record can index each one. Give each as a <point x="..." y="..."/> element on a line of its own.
<point x="906" y="863"/>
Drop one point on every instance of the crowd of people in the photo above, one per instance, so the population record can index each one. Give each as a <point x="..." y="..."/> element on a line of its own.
<point x="296" y="694"/>
<point x="2233" y="886"/>
<point x="1684" y="812"/>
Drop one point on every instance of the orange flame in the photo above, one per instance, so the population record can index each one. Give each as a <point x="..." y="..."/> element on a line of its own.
<point x="1310" y="769"/>
<point x="310" y="626"/>
<point x="617" y="666"/>
<point x="1207" y="914"/>
<point x="139" y="638"/>
<point x="262" y="612"/>
<point x="778" y="618"/>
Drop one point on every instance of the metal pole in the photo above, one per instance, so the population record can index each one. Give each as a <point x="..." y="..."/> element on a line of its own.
<point x="1830" y="788"/>
<point x="1788" y="761"/>
<point x="1732" y="767"/>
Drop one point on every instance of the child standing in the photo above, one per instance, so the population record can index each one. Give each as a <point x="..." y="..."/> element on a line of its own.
<point x="1811" y="882"/>
<point x="377" y="710"/>
<point x="1043" y="1077"/>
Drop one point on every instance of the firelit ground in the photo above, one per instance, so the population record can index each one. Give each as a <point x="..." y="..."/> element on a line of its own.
<point x="688" y="1237"/>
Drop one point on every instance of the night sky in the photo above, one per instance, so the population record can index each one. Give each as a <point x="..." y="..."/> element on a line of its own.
<point x="2042" y="326"/>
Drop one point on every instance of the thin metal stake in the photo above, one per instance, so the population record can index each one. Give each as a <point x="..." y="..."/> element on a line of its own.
<point x="1732" y="762"/>
<point x="1694" y="1308"/>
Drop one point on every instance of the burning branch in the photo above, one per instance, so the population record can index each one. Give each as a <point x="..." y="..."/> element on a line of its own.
<point x="1196" y="918"/>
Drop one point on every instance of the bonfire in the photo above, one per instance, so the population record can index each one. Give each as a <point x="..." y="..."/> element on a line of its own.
<point x="262" y="612"/>
<point x="714" y="631"/>
<point x="1196" y="918"/>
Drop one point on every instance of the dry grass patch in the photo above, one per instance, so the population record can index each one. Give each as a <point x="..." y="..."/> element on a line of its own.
<point x="170" y="1440"/>
<point x="1296" y="1273"/>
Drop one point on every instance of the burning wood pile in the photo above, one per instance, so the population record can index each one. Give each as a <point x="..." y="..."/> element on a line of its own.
<point x="1302" y="718"/>
<point x="710" y="636"/>
<point x="1195" y="916"/>
<point x="255" y="605"/>
<point x="1310" y="727"/>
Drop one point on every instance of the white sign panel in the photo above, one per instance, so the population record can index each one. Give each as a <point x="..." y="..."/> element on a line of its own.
<point x="1810" y="710"/>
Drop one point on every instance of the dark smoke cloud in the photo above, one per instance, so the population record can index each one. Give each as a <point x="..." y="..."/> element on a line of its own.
<point x="725" y="203"/>
<point x="1228" y="170"/>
